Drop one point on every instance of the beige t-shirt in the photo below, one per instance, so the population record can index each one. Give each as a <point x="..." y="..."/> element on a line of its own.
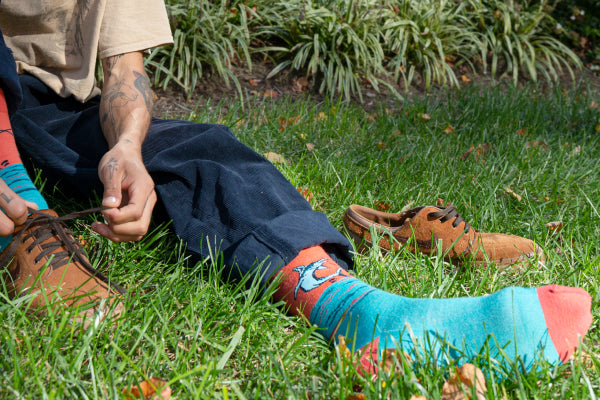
<point x="58" y="41"/>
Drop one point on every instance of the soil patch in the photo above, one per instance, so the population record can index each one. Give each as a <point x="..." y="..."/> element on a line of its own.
<point x="172" y="102"/>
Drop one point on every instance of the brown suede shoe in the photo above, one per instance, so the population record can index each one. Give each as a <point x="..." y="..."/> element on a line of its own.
<point x="426" y="225"/>
<point x="44" y="258"/>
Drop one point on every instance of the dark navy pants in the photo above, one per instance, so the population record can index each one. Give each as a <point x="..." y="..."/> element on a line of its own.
<point x="218" y="193"/>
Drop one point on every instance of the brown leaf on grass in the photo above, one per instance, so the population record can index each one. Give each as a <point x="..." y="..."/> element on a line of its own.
<point x="449" y="129"/>
<point x="382" y="206"/>
<point x="594" y="105"/>
<point x="597" y="128"/>
<point x="554" y="227"/>
<point x="461" y="383"/>
<point x="310" y="146"/>
<point x="381" y="145"/>
<point x="299" y="85"/>
<point x="424" y="116"/>
<point x="321" y="116"/>
<point x="479" y="151"/>
<point x="304" y="191"/>
<point x="285" y="122"/>
<point x="521" y="132"/>
<point x="511" y="192"/>
<point x="153" y="388"/>
<point x="535" y="143"/>
<point x="276" y="158"/>
<point x="371" y="117"/>
<point x="252" y="82"/>
<point x="271" y="94"/>
<point x="81" y="240"/>
<point x="465" y="78"/>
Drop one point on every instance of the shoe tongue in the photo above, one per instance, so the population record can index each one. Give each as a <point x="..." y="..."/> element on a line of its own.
<point x="49" y="212"/>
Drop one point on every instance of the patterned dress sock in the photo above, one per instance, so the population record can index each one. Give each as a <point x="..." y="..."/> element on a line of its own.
<point x="525" y="323"/>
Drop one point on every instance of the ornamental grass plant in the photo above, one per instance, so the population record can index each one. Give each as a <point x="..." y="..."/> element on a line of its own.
<point x="341" y="44"/>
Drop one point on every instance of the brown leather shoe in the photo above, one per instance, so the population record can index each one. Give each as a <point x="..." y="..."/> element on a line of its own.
<point x="44" y="258"/>
<point x="427" y="225"/>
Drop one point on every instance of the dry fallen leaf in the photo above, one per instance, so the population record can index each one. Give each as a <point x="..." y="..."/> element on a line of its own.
<point x="310" y="146"/>
<point x="276" y="158"/>
<point x="554" y="227"/>
<point x="304" y="191"/>
<point x="321" y="116"/>
<point x="465" y="78"/>
<point x="382" y="206"/>
<point x="461" y="383"/>
<point x="271" y="94"/>
<point x="371" y="117"/>
<point x="252" y="82"/>
<point x="478" y="152"/>
<point x="515" y="195"/>
<point x="541" y="144"/>
<point x="299" y="85"/>
<point x="424" y="116"/>
<point x="381" y="145"/>
<point x="449" y="129"/>
<point x="81" y="240"/>
<point x="285" y="122"/>
<point x="521" y="132"/>
<point x="153" y="388"/>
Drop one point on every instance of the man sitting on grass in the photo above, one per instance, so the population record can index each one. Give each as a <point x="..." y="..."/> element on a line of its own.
<point x="213" y="188"/>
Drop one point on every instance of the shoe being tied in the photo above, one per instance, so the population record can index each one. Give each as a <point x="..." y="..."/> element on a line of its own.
<point x="423" y="227"/>
<point x="44" y="258"/>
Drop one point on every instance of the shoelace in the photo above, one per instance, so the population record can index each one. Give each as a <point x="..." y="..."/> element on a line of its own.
<point x="45" y="226"/>
<point x="449" y="213"/>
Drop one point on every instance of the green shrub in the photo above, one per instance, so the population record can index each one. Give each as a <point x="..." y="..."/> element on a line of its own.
<point x="337" y="42"/>
<point x="207" y="35"/>
<point x="517" y="37"/>
<point x="424" y="35"/>
<point x="578" y="26"/>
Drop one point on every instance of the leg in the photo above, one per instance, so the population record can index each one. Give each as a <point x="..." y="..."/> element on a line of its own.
<point x="216" y="191"/>
<point x="520" y="321"/>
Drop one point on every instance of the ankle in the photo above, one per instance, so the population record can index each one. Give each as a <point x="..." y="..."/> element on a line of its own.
<point x="305" y="278"/>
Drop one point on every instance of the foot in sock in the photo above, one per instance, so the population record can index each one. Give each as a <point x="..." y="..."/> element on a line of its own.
<point x="14" y="180"/>
<point x="526" y="323"/>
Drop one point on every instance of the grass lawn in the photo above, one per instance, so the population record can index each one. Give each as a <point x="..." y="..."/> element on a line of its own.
<point x="212" y="339"/>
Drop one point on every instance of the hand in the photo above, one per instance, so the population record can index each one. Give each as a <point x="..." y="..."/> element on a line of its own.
<point x="13" y="209"/>
<point x="128" y="191"/>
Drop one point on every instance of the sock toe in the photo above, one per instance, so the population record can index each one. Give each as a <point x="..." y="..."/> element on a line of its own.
<point x="568" y="316"/>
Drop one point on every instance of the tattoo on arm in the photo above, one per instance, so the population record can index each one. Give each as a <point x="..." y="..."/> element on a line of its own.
<point x="142" y="84"/>
<point x="110" y="64"/>
<point x="117" y="96"/>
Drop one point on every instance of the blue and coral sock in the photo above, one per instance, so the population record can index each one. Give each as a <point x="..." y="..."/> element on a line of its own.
<point x="12" y="171"/>
<point x="512" y="323"/>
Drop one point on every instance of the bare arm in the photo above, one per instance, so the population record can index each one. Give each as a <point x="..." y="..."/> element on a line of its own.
<point x="125" y="115"/>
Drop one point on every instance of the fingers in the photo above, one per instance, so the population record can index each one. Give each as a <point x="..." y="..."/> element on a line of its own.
<point x="129" y="223"/>
<point x="13" y="210"/>
<point x="111" y="175"/>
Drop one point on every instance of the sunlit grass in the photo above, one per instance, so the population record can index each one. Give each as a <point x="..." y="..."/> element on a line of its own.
<point x="210" y="338"/>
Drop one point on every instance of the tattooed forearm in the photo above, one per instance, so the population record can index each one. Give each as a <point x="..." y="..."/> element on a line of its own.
<point x="142" y="84"/>
<point x="110" y="64"/>
<point x="117" y="96"/>
<point x="6" y="197"/>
